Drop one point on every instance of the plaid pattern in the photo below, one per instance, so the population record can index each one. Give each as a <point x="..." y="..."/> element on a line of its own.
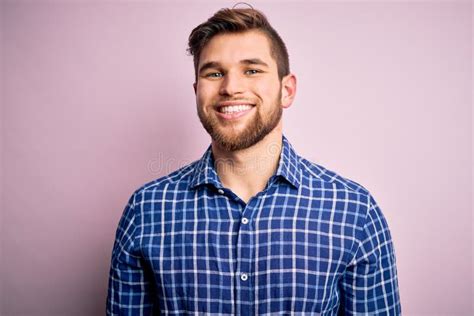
<point x="311" y="243"/>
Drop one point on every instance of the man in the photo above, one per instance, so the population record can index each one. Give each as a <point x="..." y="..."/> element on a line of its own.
<point x="251" y="228"/>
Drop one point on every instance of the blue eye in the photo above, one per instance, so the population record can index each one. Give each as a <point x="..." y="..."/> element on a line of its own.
<point x="214" y="75"/>
<point x="252" y="71"/>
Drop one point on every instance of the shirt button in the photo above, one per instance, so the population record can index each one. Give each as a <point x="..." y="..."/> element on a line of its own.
<point x="244" y="276"/>
<point x="245" y="220"/>
<point x="220" y="191"/>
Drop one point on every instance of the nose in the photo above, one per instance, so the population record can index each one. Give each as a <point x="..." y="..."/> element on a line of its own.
<point x="231" y="85"/>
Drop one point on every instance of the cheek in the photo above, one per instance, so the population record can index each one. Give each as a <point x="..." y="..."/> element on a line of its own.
<point x="269" y="91"/>
<point x="204" y="93"/>
<point x="205" y="98"/>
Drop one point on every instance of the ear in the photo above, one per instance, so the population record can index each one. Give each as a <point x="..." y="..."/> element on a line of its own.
<point x="288" y="90"/>
<point x="194" y="86"/>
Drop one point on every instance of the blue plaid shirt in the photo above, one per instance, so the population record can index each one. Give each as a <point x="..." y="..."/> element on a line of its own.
<point x="310" y="243"/>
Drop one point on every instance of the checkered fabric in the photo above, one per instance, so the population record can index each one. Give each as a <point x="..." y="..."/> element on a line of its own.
<point x="310" y="243"/>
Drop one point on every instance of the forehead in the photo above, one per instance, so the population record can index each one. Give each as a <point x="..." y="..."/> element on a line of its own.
<point x="228" y="48"/>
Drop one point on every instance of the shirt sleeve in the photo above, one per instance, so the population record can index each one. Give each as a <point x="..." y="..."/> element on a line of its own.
<point x="130" y="291"/>
<point x="370" y="284"/>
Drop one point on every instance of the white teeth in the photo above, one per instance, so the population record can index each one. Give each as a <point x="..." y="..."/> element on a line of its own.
<point x="234" y="108"/>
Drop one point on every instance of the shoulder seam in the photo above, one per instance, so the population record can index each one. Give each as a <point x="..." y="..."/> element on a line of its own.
<point x="172" y="177"/>
<point x="334" y="178"/>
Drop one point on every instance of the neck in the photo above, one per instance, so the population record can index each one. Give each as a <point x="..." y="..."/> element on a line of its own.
<point x="246" y="172"/>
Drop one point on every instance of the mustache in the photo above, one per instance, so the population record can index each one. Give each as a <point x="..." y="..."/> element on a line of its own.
<point x="246" y="100"/>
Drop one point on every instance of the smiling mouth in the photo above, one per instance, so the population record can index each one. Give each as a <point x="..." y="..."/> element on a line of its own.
<point x="234" y="108"/>
<point x="230" y="111"/>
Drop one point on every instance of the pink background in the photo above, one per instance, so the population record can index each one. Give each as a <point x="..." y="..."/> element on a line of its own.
<point x="97" y="99"/>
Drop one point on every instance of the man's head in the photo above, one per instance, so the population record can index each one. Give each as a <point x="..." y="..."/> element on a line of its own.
<point x="241" y="85"/>
<point x="238" y="21"/>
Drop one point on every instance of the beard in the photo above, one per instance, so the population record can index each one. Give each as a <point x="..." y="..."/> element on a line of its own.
<point x="257" y="127"/>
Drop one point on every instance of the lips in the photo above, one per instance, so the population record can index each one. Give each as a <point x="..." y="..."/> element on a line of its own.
<point x="233" y="106"/>
<point x="230" y="110"/>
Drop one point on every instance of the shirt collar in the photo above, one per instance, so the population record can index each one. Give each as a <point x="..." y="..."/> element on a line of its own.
<point x="289" y="164"/>
<point x="288" y="168"/>
<point x="204" y="172"/>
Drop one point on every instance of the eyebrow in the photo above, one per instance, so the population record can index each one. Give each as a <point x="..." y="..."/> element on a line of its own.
<point x="210" y="64"/>
<point x="215" y="64"/>
<point x="254" y="61"/>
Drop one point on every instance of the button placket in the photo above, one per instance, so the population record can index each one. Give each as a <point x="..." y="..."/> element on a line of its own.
<point x="246" y="249"/>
